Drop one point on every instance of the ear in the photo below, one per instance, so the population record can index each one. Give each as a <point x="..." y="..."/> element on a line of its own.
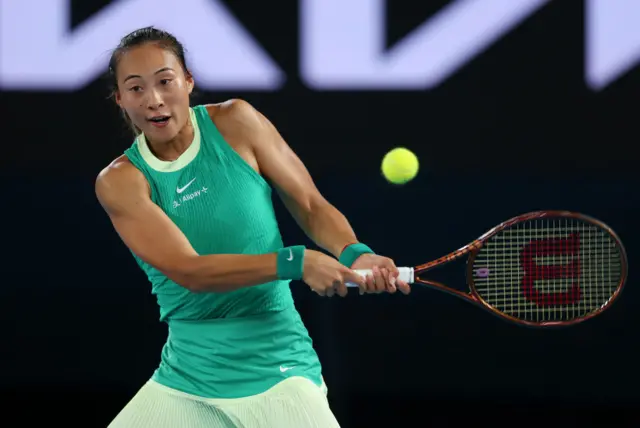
<point x="118" y="98"/>
<point x="190" y="83"/>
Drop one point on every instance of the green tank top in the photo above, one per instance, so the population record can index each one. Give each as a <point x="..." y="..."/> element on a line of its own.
<point x="233" y="344"/>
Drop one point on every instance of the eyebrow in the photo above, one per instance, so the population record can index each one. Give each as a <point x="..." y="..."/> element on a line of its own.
<point x="133" y="76"/>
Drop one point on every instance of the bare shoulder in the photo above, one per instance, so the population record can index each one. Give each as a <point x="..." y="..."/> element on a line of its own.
<point x="119" y="173"/>
<point x="233" y="112"/>
<point x="117" y="181"/>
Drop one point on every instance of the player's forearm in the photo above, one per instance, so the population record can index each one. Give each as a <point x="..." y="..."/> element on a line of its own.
<point x="227" y="272"/>
<point x="327" y="227"/>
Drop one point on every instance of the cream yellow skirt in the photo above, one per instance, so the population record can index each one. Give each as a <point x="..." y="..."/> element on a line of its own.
<point x="293" y="403"/>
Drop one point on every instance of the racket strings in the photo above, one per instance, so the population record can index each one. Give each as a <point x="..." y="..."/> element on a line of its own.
<point x="548" y="269"/>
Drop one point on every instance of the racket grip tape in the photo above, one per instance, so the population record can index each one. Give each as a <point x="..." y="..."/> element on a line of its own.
<point x="406" y="275"/>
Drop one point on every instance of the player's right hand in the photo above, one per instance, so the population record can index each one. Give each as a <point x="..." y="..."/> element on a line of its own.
<point x="326" y="275"/>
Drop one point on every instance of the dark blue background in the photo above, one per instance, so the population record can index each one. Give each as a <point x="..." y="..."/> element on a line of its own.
<point x="516" y="130"/>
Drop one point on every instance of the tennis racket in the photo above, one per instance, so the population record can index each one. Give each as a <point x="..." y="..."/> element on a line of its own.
<point x="540" y="269"/>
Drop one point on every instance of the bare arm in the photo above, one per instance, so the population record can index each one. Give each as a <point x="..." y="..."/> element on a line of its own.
<point x="124" y="194"/>
<point x="319" y="219"/>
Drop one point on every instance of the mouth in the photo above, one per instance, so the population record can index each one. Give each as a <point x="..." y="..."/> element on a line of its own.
<point x="159" y="121"/>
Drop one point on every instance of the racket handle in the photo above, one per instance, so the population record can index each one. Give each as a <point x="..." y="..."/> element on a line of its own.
<point x="406" y="275"/>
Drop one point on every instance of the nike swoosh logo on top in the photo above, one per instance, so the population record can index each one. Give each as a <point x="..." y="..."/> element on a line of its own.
<point x="290" y="255"/>
<point x="284" y="369"/>
<point x="182" y="189"/>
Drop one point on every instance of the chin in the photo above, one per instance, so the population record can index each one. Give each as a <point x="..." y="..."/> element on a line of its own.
<point x="161" y="135"/>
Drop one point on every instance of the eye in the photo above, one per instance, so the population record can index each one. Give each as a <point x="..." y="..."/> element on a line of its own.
<point x="135" y="88"/>
<point x="165" y="81"/>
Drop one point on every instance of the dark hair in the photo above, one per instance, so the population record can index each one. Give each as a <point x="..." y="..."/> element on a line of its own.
<point x="138" y="38"/>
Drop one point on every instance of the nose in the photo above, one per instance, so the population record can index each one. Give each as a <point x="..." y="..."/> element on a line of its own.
<point x="154" y="100"/>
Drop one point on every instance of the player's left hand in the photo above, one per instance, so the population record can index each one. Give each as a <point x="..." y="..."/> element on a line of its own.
<point x="384" y="276"/>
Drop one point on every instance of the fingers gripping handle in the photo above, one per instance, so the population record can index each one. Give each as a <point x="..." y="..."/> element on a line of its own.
<point x="406" y="275"/>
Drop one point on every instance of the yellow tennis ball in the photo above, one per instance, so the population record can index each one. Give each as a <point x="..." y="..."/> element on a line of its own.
<point x="400" y="165"/>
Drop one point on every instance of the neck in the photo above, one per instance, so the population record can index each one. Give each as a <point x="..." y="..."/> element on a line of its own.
<point x="172" y="149"/>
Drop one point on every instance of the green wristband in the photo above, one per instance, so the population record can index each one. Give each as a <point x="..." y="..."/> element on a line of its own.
<point x="290" y="262"/>
<point x="352" y="252"/>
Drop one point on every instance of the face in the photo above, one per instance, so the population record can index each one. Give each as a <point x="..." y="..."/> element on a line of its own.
<point x="154" y="91"/>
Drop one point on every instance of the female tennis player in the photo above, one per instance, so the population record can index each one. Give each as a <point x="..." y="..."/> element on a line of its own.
<point x="191" y="199"/>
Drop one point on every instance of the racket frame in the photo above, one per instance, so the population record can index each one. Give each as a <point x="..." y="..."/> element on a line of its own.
<point x="472" y="249"/>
